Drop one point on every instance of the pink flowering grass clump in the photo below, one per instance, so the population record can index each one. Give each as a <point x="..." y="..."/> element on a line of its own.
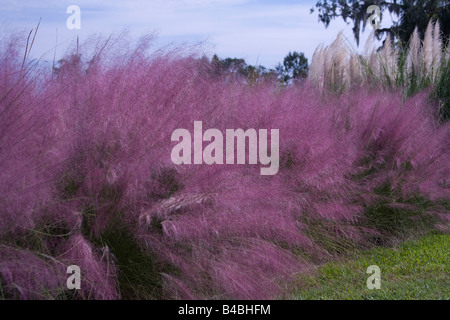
<point x="87" y="177"/>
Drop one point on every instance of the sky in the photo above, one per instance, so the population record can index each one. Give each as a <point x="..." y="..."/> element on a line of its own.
<point x="260" y="31"/>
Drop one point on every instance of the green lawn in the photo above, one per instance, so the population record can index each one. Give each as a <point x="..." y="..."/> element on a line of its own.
<point x="417" y="269"/>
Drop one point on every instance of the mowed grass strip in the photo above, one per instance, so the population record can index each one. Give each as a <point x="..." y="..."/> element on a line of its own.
<point x="418" y="269"/>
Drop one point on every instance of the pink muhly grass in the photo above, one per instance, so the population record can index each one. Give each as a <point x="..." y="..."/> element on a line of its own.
<point x="85" y="158"/>
<point x="28" y="275"/>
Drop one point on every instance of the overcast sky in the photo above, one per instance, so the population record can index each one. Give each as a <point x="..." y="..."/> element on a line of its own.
<point x="260" y="31"/>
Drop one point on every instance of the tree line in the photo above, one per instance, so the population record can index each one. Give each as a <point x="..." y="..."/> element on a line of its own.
<point x="294" y="68"/>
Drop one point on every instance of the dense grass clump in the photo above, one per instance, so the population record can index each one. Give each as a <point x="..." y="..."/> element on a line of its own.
<point x="87" y="179"/>
<point x="412" y="67"/>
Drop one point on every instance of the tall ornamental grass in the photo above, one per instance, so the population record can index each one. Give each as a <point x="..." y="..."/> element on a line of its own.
<point x="87" y="179"/>
<point x="412" y="67"/>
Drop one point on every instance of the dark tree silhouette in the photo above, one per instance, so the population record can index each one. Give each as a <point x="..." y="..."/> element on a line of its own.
<point x="295" y="66"/>
<point x="409" y="14"/>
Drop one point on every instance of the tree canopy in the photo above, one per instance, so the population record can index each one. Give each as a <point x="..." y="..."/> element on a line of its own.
<point x="409" y="14"/>
<point x="294" y="66"/>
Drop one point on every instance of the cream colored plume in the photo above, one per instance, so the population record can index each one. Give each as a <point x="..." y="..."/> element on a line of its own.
<point x="317" y="68"/>
<point x="413" y="59"/>
<point x="388" y="60"/>
<point x="337" y="66"/>
<point x="437" y="50"/>
<point x="428" y="50"/>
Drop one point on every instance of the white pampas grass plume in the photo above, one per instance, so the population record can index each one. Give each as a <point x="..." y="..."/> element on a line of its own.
<point x="338" y="67"/>
<point x="437" y="50"/>
<point x="369" y="46"/>
<point x="413" y="59"/>
<point x="336" y="62"/>
<point x="388" y="59"/>
<point x="356" y="75"/>
<point x="316" y="70"/>
<point x="370" y="59"/>
<point x="428" y="50"/>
